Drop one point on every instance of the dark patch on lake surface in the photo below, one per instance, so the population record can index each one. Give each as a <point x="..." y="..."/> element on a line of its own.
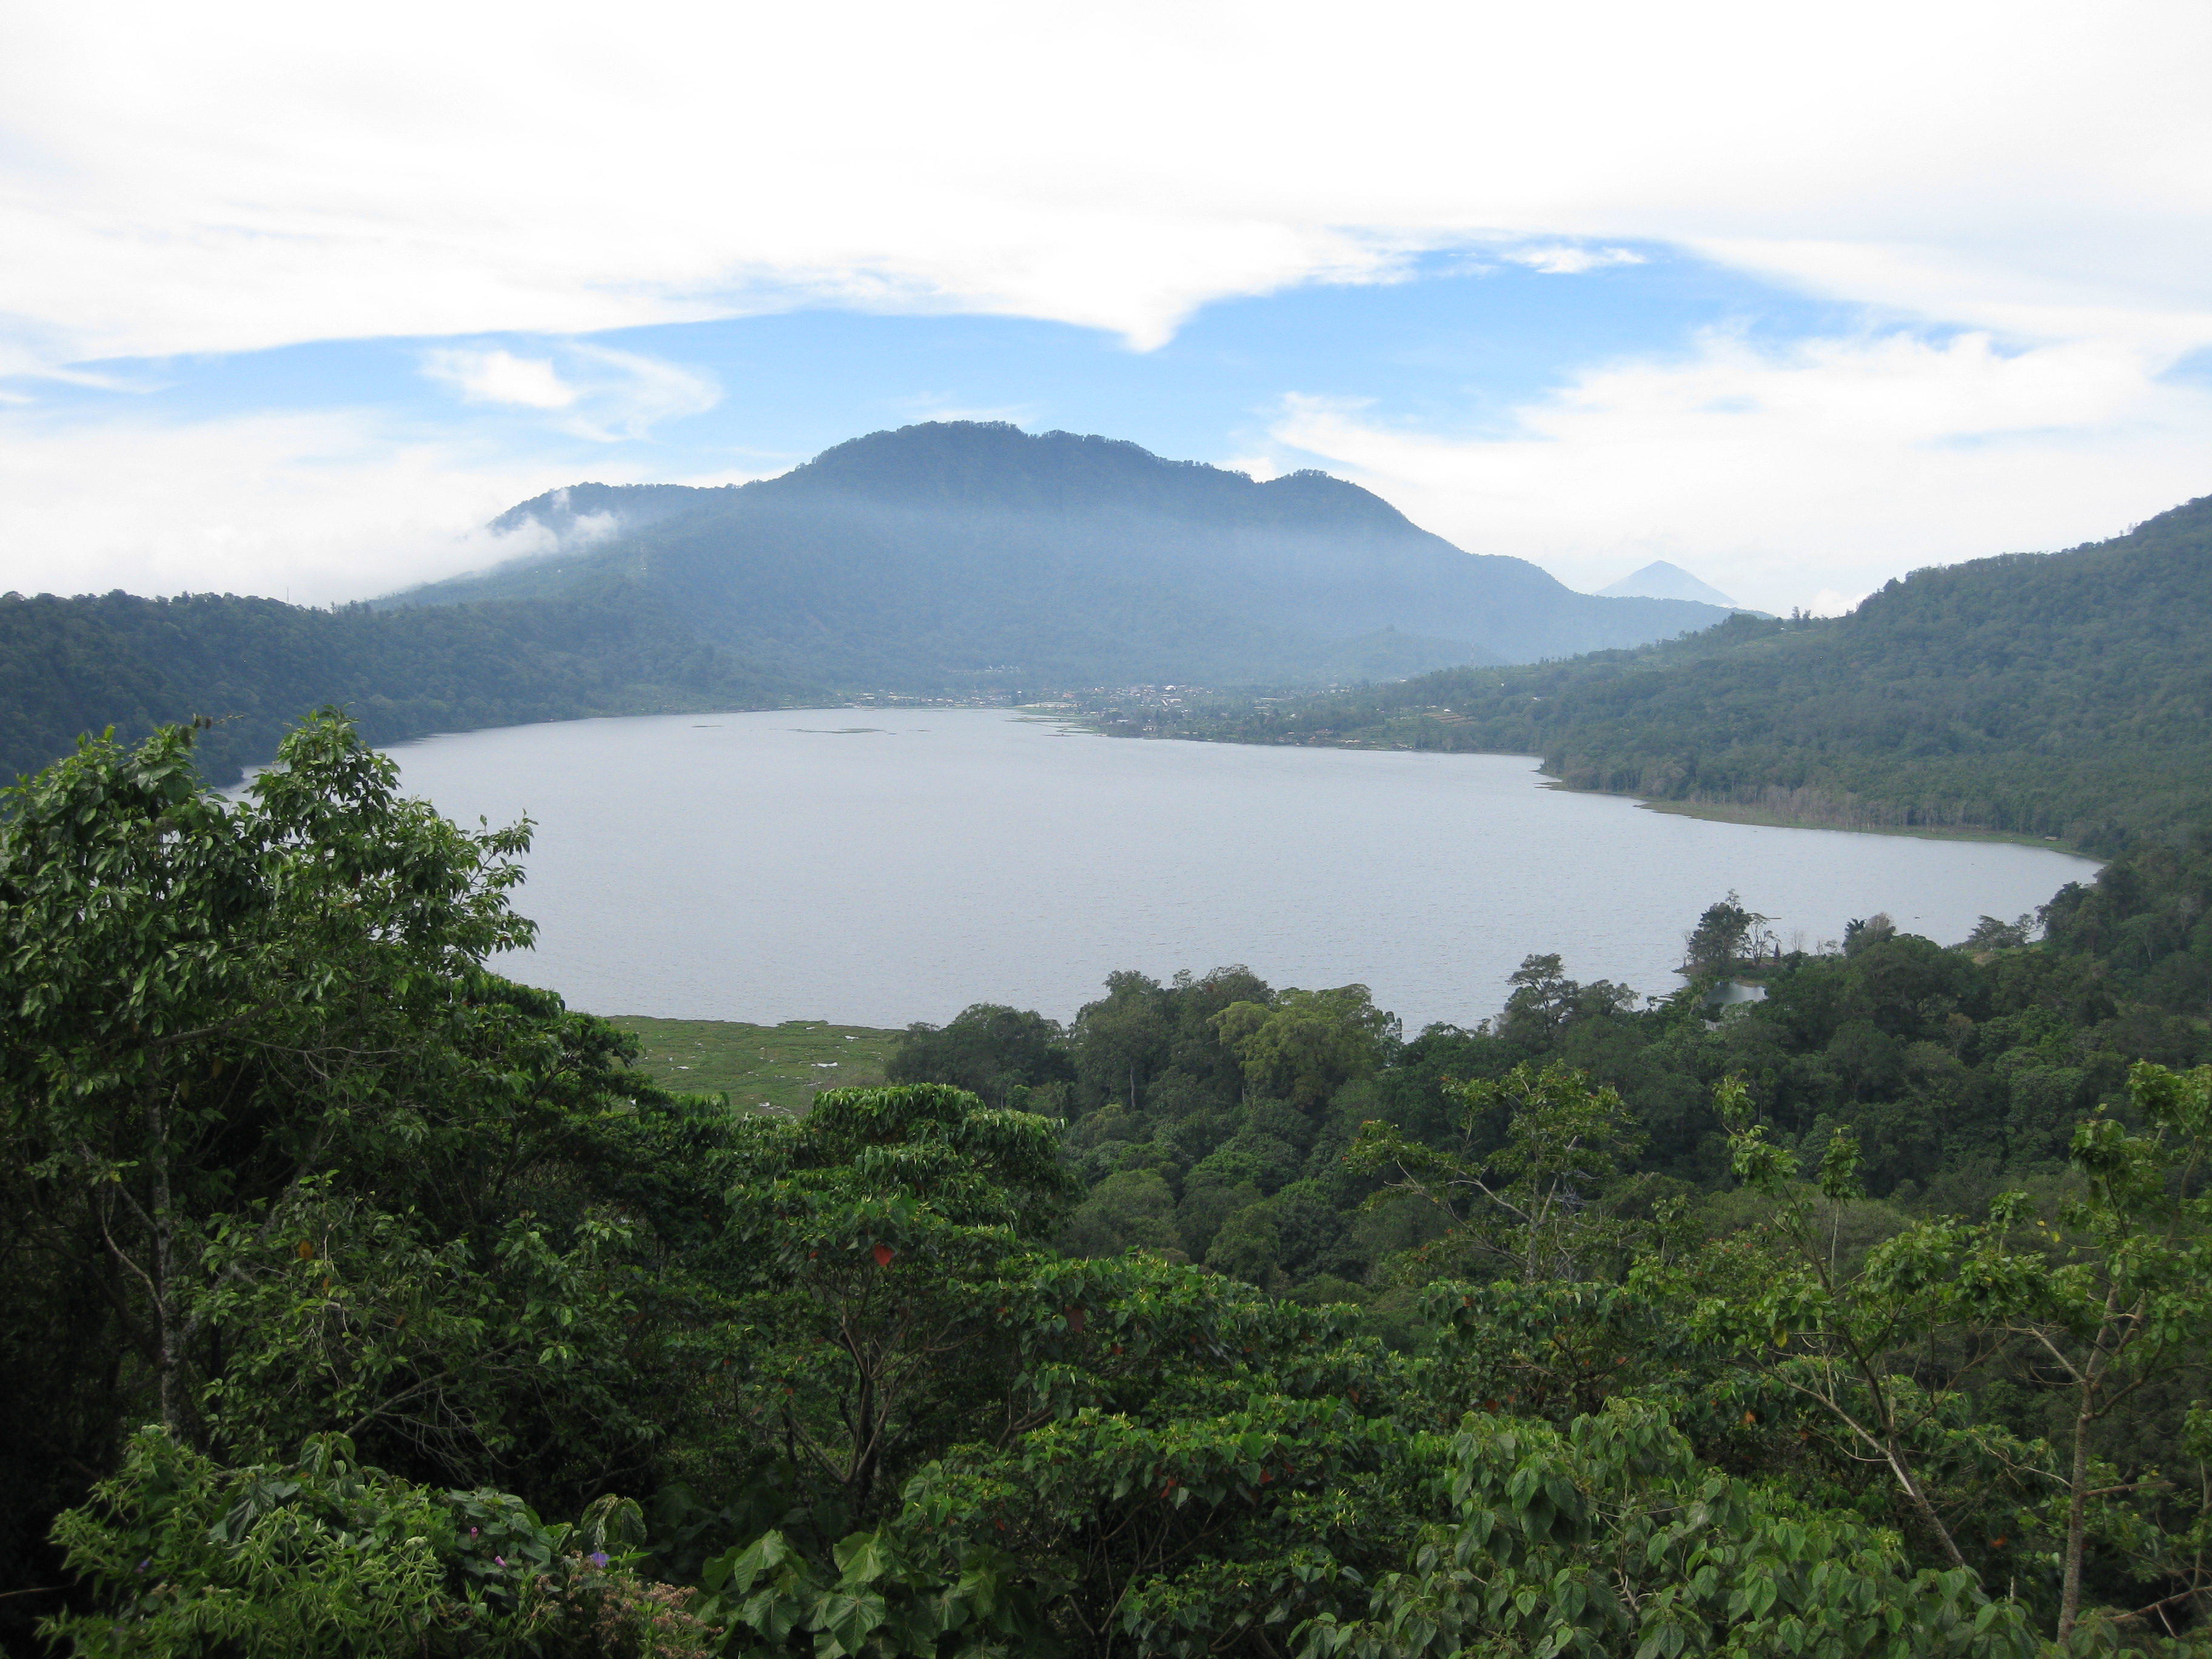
<point x="724" y="872"/>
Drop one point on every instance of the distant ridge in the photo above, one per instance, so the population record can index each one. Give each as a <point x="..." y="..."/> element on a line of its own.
<point x="255" y="665"/>
<point x="951" y="555"/>
<point x="2066" y="696"/>
<point x="1661" y="580"/>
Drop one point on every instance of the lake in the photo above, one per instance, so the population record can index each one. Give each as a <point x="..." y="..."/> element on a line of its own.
<point x="878" y="867"/>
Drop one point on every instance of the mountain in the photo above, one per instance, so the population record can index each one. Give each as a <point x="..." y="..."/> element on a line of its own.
<point x="2061" y="695"/>
<point x="69" y="666"/>
<point x="954" y="553"/>
<point x="1661" y="580"/>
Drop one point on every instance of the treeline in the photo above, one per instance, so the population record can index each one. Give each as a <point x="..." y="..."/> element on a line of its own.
<point x="2063" y="695"/>
<point x="69" y="666"/>
<point x="336" y="1271"/>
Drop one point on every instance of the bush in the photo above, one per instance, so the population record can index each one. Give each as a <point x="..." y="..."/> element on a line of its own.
<point x="327" y="1558"/>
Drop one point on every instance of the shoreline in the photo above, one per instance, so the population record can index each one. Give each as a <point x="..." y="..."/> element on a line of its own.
<point x="1722" y="812"/>
<point x="1710" y="812"/>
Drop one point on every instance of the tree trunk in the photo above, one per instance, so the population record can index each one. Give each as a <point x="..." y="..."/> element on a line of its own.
<point x="169" y="1335"/>
<point x="2077" y="1505"/>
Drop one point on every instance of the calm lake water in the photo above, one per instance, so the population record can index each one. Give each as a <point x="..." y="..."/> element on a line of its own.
<point x="878" y="867"/>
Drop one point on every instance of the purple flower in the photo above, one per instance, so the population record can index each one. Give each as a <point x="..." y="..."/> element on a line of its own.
<point x="472" y="1532"/>
<point x="501" y="1559"/>
<point x="147" y="1563"/>
<point x="597" y="1557"/>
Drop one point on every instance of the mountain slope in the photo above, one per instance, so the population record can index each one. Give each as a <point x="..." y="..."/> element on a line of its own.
<point x="70" y="665"/>
<point x="924" y="558"/>
<point x="1661" y="580"/>
<point x="2065" y="694"/>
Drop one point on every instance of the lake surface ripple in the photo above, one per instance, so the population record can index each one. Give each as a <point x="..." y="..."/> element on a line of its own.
<point x="881" y="866"/>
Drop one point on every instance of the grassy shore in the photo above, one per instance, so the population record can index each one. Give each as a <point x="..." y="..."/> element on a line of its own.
<point x="759" y="1066"/>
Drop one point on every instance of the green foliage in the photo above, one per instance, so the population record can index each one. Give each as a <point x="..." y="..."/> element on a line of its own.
<point x="1989" y="695"/>
<point x="1540" y="1204"/>
<point x="1612" y="1538"/>
<point x="73" y="665"/>
<point x="1606" y="1327"/>
<point x="283" y="1158"/>
<point x="1009" y="1057"/>
<point x="324" y="1557"/>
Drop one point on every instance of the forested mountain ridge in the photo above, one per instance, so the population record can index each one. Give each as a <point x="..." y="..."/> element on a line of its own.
<point x="923" y="558"/>
<point x="73" y="665"/>
<point x="2065" y="695"/>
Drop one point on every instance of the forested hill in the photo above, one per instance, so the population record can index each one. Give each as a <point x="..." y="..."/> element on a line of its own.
<point x="2062" y="694"/>
<point x="948" y="555"/>
<point x="70" y="665"/>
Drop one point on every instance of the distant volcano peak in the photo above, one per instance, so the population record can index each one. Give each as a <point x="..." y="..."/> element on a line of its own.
<point x="1661" y="580"/>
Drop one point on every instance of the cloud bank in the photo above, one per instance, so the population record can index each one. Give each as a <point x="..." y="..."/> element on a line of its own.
<point x="1802" y="476"/>
<point x="188" y="180"/>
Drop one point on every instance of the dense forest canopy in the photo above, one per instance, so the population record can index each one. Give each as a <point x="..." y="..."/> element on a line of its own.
<point x="1868" y="1317"/>
<point x="2067" y="694"/>
<point x="950" y="554"/>
<point x="74" y="664"/>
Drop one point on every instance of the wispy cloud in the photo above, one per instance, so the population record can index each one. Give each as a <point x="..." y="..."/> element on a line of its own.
<point x="1561" y="259"/>
<point x="337" y="505"/>
<point x="605" y="395"/>
<point x="494" y="376"/>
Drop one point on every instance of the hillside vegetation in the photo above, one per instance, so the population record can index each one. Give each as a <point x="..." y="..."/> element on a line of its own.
<point x="1873" y="1319"/>
<point x="957" y="554"/>
<point x="2065" y="695"/>
<point x="73" y="665"/>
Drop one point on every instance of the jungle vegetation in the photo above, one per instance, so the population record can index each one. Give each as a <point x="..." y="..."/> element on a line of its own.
<point x="73" y="665"/>
<point x="2065" y="694"/>
<point x="355" y="1299"/>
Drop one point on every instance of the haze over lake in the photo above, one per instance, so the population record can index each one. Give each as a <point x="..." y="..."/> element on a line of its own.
<point x="881" y="866"/>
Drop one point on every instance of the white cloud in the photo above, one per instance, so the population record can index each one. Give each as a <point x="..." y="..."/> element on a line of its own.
<point x="182" y="179"/>
<point x="499" y="377"/>
<point x="1559" y="260"/>
<point x="1833" y="465"/>
<point x="608" y="395"/>
<point x="320" y="508"/>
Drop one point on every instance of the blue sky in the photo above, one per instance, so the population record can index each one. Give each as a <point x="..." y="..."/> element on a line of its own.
<point x="1452" y="345"/>
<point x="296" y="308"/>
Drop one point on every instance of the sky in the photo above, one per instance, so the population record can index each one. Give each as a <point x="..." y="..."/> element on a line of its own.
<point x="292" y="300"/>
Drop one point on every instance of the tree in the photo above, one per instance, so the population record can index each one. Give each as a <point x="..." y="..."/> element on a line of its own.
<point x="1543" y="1000"/>
<point x="987" y="1049"/>
<point x="1539" y="1203"/>
<point x="860" y="1245"/>
<point x="1196" y="1468"/>
<point x="1723" y="936"/>
<point x="1834" y="1337"/>
<point x="202" y="1002"/>
<point x="326" y="1559"/>
<point x="1609" y="1537"/>
<point x="1130" y="1207"/>
<point x="1308" y="1043"/>
<point x="284" y="1158"/>
<point x="2117" y="1304"/>
<point x="1121" y="1040"/>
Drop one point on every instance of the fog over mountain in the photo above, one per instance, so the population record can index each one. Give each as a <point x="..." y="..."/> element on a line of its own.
<point x="958" y="554"/>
